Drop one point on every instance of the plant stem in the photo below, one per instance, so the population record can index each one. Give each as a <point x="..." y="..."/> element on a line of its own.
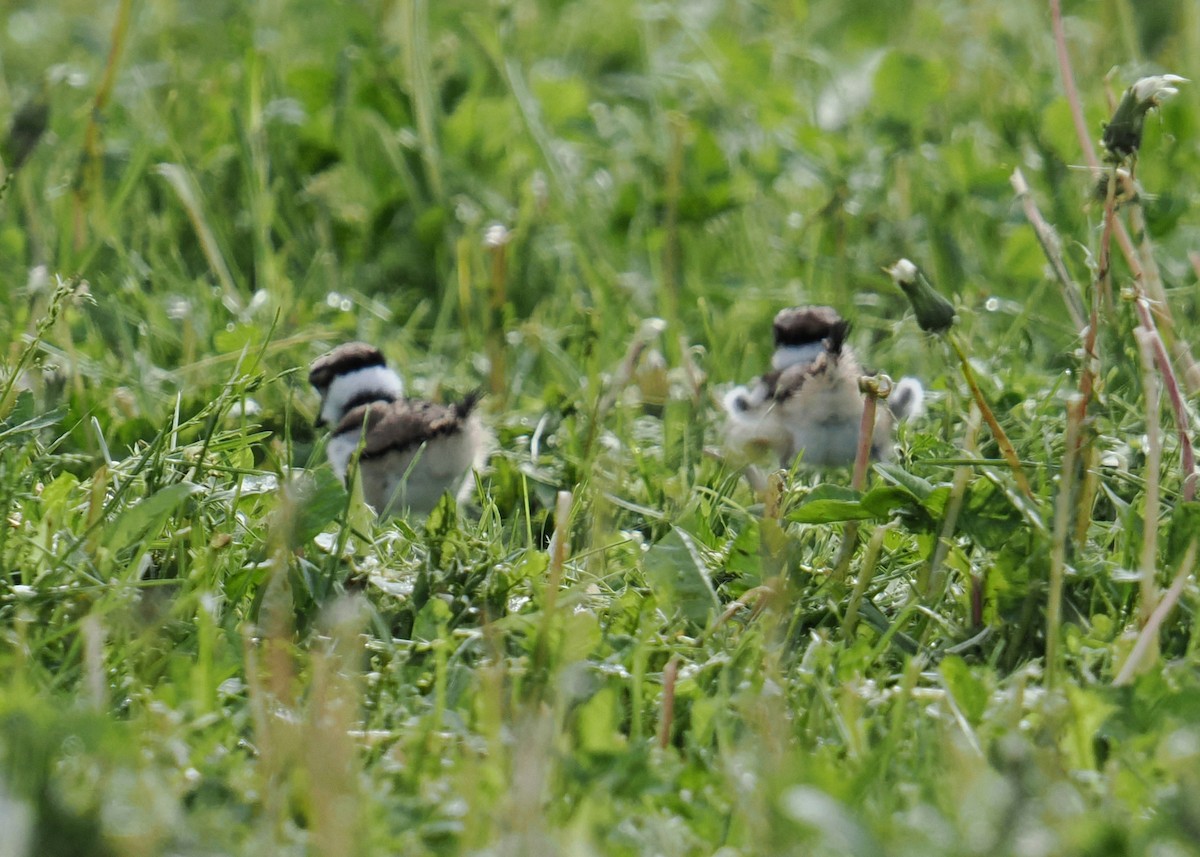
<point x="1149" y="558"/>
<point x="1068" y="79"/>
<point x="670" y="673"/>
<point x="869" y="563"/>
<point x="926" y="580"/>
<point x="1149" y="634"/>
<point x="1062" y="527"/>
<point x="495" y="324"/>
<point x="1051" y="246"/>
<point x="1187" y="454"/>
<point x="1006" y="447"/>
<point x="866" y="430"/>
<point x="89" y="165"/>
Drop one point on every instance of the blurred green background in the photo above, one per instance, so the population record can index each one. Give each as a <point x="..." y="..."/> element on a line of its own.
<point x="227" y="189"/>
<point x="334" y="166"/>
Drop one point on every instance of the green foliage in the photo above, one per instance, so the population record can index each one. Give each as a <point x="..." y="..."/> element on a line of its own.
<point x="209" y="645"/>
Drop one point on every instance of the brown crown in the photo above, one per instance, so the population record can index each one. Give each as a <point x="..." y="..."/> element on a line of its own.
<point x="801" y="325"/>
<point x="342" y="360"/>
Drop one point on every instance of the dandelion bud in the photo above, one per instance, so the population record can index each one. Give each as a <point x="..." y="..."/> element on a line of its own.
<point x="934" y="313"/>
<point x="1123" y="133"/>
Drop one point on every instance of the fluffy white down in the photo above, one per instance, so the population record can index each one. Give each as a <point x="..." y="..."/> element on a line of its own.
<point x="340" y="449"/>
<point x="346" y="388"/>
<point x="413" y="480"/>
<point x="821" y="423"/>
<point x="907" y="400"/>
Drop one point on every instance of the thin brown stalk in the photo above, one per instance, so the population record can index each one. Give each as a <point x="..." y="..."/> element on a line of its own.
<point x="670" y="674"/>
<point x="1089" y="486"/>
<point x="1149" y="563"/>
<point x="1187" y="453"/>
<point x="751" y="598"/>
<point x="1148" y="637"/>
<point x="1068" y="79"/>
<point x="1006" y="448"/>
<point x="862" y="459"/>
<point x="1141" y="277"/>
<point x="1157" y="307"/>
<point x="1051" y="246"/>
<point x="771" y="537"/>
<point x="1151" y="281"/>
<point x="1076" y="408"/>
<point x="1103" y="282"/>
<point x="866" y="430"/>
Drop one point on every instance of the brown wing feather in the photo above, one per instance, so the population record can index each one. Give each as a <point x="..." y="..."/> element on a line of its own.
<point x="403" y="424"/>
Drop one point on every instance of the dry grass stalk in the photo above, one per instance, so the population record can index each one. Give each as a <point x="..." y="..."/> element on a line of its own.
<point x="1062" y="527"/>
<point x="1148" y="638"/>
<point x="1149" y="558"/>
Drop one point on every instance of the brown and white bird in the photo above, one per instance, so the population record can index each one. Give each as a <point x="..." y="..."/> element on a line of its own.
<point x="410" y="451"/>
<point x="810" y="404"/>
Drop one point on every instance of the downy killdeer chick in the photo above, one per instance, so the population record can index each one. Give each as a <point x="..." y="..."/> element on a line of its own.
<point x="810" y="402"/>
<point x="412" y="451"/>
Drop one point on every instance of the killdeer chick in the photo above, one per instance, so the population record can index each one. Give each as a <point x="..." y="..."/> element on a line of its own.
<point x="410" y="451"/>
<point x="810" y="402"/>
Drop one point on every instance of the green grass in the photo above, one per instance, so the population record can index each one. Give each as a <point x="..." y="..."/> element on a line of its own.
<point x="206" y="647"/>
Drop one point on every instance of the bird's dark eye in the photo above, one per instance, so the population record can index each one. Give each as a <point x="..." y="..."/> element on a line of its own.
<point x="740" y="403"/>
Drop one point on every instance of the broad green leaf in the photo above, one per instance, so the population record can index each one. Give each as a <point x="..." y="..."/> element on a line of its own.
<point x="830" y="512"/>
<point x="1185" y="528"/>
<point x="599" y="723"/>
<point x="743" y="557"/>
<point x="884" y="500"/>
<point x="897" y="475"/>
<point x="989" y="516"/>
<point x="146" y="519"/>
<point x="58" y="492"/>
<point x="970" y="694"/>
<point x="317" y="505"/>
<point x="880" y="502"/>
<point x="678" y="576"/>
<point x="22" y="420"/>
<point x="581" y="635"/>
<point x="22" y="411"/>
<point x="431" y="620"/>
